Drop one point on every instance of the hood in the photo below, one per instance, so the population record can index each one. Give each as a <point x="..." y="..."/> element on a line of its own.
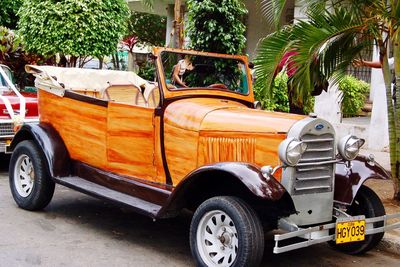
<point x="205" y="114"/>
<point x="31" y="104"/>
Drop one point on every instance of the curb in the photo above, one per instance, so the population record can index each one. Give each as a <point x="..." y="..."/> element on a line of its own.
<point x="390" y="243"/>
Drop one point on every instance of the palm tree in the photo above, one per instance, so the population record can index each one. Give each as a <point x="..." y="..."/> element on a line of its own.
<point x="335" y="34"/>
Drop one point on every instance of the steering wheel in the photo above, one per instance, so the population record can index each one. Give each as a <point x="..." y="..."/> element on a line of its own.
<point x="218" y="86"/>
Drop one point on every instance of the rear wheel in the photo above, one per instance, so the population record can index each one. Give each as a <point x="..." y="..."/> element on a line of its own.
<point x="225" y="231"/>
<point x="365" y="203"/>
<point x="30" y="184"/>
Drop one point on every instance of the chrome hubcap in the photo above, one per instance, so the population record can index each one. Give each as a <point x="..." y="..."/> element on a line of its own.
<point x="217" y="239"/>
<point x="24" y="175"/>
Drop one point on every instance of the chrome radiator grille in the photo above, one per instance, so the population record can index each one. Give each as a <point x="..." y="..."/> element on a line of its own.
<point x="6" y="129"/>
<point x="310" y="177"/>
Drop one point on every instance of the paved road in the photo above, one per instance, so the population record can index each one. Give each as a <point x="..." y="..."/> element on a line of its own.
<point x="77" y="230"/>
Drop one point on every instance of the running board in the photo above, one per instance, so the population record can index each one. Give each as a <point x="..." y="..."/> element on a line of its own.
<point x="105" y="193"/>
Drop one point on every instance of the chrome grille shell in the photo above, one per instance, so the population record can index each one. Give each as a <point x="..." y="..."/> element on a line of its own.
<point x="319" y="179"/>
<point x="311" y="181"/>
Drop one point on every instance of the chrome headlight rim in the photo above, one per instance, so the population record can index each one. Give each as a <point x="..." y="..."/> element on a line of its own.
<point x="291" y="150"/>
<point x="349" y="146"/>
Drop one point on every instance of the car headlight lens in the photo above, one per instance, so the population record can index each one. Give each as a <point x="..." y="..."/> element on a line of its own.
<point x="349" y="147"/>
<point x="291" y="150"/>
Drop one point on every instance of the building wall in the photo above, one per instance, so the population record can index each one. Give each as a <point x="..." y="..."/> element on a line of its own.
<point x="257" y="27"/>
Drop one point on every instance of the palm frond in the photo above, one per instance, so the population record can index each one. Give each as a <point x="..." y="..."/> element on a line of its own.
<point x="272" y="11"/>
<point x="325" y="46"/>
<point x="148" y="3"/>
<point x="270" y="51"/>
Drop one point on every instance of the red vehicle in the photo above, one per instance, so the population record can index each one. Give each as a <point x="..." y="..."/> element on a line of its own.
<point x="16" y="107"/>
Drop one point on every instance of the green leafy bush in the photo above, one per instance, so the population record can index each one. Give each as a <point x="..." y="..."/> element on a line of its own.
<point x="354" y="94"/>
<point x="216" y="25"/>
<point x="147" y="71"/>
<point x="279" y="100"/>
<point x="13" y="54"/>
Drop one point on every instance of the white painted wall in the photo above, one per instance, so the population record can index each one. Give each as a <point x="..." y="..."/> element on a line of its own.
<point x="378" y="130"/>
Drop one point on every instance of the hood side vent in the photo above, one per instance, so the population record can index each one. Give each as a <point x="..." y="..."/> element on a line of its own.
<point x="222" y="149"/>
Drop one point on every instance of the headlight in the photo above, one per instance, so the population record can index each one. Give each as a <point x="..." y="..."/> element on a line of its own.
<point x="349" y="146"/>
<point x="291" y="150"/>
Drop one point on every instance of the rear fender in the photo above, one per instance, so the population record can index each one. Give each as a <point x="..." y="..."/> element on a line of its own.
<point x="50" y="142"/>
<point x="349" y="180"/>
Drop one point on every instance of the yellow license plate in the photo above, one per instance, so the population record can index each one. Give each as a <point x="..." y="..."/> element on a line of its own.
<point x="350" y="230"/>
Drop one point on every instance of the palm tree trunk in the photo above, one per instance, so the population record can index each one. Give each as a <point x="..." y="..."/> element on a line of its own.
<point x="391" y="108"/>
<point x="396" y="55"/>
<point x="177" y="24"/>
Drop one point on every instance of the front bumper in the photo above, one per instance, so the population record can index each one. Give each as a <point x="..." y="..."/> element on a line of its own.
<point x="321" y="233"/>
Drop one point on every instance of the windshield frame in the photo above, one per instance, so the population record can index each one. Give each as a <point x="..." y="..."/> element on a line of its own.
<point x="244" y="64"/>
<point x="201" y="91"/>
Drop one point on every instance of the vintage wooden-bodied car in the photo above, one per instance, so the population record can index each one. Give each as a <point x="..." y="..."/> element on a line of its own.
<point x="193" y="139"/>
<point x="15" y="107"/>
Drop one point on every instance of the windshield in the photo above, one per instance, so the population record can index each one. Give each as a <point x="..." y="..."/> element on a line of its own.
<point x="185" y="71"/>
<point x="3" y="83"/>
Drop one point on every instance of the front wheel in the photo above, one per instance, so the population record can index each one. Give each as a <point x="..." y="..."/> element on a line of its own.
<point x="225" y="231"/>
<point x="365" y="203"/>
<point x="30" y="183"/>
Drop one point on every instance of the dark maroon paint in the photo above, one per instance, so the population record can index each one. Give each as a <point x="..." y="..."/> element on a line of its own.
<point x="247" y="174"/>
<point x="50" y="142"/>
<point x="131" y="186"/>
<point x="349" y="180"/>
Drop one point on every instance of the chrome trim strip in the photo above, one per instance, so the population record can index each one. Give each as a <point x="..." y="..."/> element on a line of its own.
<point x="319" y="163"/>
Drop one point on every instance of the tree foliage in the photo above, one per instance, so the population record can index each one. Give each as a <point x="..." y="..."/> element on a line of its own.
<point x="147" y="28"/>
<point x="73" y="27"/>
<point x="13" y="54"/>
<point x="336" y="33"/>
<point x="8" y="13"/>
<point x="354" y="94"/>
<point x="216" y="25"/>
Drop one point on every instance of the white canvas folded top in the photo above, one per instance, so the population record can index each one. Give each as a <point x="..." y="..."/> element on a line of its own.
<point x="58" y="79"/>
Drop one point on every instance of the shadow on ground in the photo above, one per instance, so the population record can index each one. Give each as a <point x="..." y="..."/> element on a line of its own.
<point x="4" y="161"/>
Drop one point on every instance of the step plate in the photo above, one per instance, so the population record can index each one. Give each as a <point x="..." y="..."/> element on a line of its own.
<point x="102" y="192"/>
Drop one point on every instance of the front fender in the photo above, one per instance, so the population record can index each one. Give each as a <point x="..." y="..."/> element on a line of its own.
<point x="50" y="142"/>
<point x="349" y="180"/>
<point x="248" y="176"/>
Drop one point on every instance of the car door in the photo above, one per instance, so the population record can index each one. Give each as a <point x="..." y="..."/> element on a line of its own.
<point x="130" y="140"/>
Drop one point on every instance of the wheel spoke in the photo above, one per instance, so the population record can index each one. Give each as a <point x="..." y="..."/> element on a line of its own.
<point x="211" y="238"/>
<point x="228" y="221"/>
<point x="25" y="176"/>
<point x="218" y="219"/>
<point x="24" y="165"/>
<point x="28" y="189"/>
<point x="211" y="226"/>
<point x="217" y="258"/>
<point x="225" y="262"/>
<point x="24" y="182"/>
<point x="215" y="248"/>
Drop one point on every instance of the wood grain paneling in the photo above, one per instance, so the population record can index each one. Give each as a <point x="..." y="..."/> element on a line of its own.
<point x="220" y="149"/>
<point x="130" y="141"/>
<point x="181" y="151"/>
<point x="256" y="148"/>
<point x="189" y="113"/>
<point x="81" y="125"/>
